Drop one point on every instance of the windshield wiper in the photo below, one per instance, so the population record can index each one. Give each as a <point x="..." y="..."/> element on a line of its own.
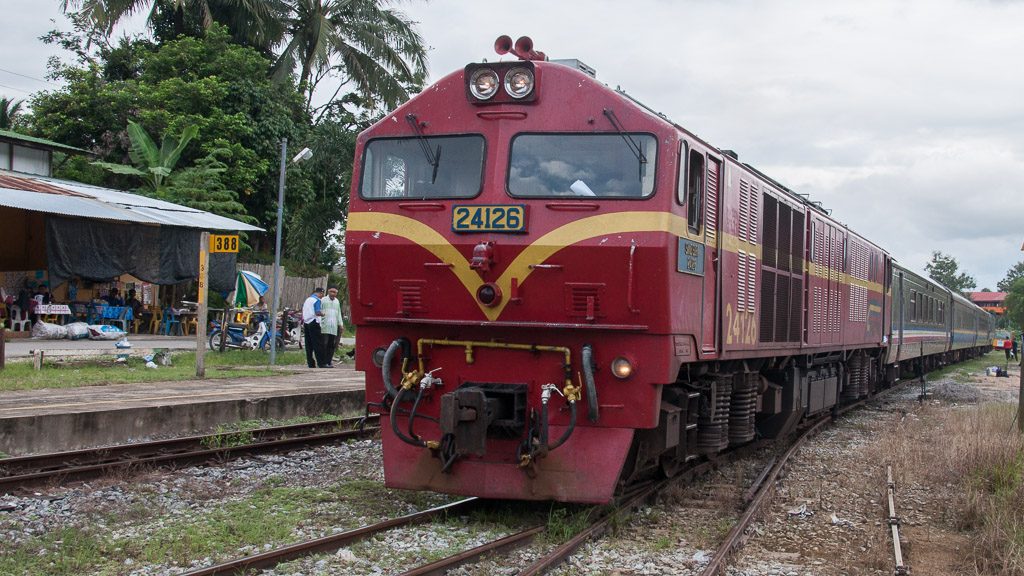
<point x="634" y="147"/>
<point x="433" y="158"/>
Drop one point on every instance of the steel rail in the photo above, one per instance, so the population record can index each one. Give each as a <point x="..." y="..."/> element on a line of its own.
<point x="734" y="539"/>
<point x="627" y="502"/>
<point x="77" y="464"/>
<point x="328" y="543"/>
<point x="501" y="546"/>
<point x="762" y="486"/>
<point x="894" y="523"/>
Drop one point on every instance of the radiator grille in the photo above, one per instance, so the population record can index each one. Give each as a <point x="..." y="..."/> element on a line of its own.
<point x="584" y="300"/>
<point x="711" y="226"/>
<point x="409" y="296"/>
<point x="781" y="271"/>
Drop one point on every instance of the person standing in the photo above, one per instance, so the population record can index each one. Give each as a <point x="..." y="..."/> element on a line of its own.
<point x="312" y="315"/>
<point x="332" y="325"/>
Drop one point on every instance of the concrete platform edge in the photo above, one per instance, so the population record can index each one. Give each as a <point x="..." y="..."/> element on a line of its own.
<point x="71" y="431"/>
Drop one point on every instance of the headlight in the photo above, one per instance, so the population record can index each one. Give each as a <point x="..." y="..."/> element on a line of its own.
<point x="622" y="368"/>
<point x="483" y="84"/>
<point x="519" y="82"/>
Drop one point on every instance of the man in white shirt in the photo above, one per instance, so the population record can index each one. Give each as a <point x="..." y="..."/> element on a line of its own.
<point x="311" y="317"/>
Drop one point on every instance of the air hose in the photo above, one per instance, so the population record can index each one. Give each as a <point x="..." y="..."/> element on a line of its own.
<point x="588" y="380"/>
<point x="569" y="430"/>
<point x="394" y="422"/>
<point x="389" y="356"/>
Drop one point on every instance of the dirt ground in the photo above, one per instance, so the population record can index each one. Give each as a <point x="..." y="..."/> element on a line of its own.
<point x="829" y="514"/>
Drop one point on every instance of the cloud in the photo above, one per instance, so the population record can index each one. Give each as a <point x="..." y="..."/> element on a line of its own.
<point x="905" y="118"/>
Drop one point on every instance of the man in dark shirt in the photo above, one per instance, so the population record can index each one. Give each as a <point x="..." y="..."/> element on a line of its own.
<point x="113" y="298"/>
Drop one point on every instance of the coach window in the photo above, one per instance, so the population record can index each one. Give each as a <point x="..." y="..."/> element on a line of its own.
<point x="695" y="191"/>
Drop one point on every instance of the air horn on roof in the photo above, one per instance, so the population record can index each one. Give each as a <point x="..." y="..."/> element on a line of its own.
<point x="523" y="48"/>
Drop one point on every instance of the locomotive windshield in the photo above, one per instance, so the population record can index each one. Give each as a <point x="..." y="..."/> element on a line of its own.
<point x="604" y="165"/>
<point x="443" y="167"/>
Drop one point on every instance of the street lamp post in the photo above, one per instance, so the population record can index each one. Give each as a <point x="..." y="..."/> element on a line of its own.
<point x="305" y="154"/>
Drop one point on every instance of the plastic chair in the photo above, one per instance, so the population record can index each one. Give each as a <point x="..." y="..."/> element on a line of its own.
<point x="171" y="322"/>
<point x="156" y="319"/>
<point x="121" y="318"/>
<point x="20" y="321"/>
<point x="191" y="325"/>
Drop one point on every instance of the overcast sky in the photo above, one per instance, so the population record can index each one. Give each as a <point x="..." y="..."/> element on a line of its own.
<point x="906" y="118"/>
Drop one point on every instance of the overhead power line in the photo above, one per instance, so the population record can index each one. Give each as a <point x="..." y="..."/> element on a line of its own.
<point x="29" y="77"/>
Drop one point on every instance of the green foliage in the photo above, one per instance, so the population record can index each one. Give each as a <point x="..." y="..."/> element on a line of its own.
<point x="218" y="88"/>
<point x="208" y="67"/>
<point x="945" y="270"/>
<point x="151" y="164"/>
<point x="1015" y="303"/>
<point x="10" y="109"/>
<point x="201" y="186"/>
<point x="1012" y="275"/>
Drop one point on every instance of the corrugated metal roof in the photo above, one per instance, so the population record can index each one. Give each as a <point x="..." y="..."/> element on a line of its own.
<point x="39" y="142"/>
<point x="988" y="296"/>
<point x="19" y="183"/>
<point x="53" y="196"/>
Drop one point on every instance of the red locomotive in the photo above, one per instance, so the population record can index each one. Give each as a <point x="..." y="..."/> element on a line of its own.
<point x="558" y="291"/>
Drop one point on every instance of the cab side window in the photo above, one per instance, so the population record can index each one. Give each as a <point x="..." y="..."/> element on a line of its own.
<point x="695" y="191"/>
<point x="681" y="182"/>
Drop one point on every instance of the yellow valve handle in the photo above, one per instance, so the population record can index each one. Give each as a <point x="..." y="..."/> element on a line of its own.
<point x="411" y="379"/>
<point x="572" y="393"/>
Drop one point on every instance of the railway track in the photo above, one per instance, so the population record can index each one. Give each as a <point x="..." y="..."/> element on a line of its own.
<point x="23" y="471"/>
<point x="756" y="495"/>
<point x="602" y="520"/>
<point x="330" y="543"/>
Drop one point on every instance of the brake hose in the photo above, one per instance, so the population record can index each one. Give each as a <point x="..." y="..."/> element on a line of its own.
<point x="588" y="379"/>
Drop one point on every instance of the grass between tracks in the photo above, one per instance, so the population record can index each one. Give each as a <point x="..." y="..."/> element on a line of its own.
<point x="145" y="534"/>
<point x="72" y="374"/>
<point x="240" y="433"/>
<point x="978" y="451"/>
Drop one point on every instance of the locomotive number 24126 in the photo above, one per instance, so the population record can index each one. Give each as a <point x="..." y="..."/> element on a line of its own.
<point x="489" y="218"/>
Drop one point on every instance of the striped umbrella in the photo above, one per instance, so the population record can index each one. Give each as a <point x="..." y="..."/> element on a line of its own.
<point x="249" y="288"/>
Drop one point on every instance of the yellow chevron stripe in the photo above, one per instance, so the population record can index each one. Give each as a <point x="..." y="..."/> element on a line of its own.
<point x="552" y="242"/>
<point x="536" y="253"/>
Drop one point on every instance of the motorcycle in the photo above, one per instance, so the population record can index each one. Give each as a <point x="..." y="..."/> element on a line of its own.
<point x="237" y="337"/>
<point x="292" y="330"/>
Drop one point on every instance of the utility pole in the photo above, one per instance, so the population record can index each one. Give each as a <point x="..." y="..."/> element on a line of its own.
<point x="277" y="257"/>
<point x="204" y="273"/>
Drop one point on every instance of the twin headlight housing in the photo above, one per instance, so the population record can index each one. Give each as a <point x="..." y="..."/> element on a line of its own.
<point x="501" y="82"/>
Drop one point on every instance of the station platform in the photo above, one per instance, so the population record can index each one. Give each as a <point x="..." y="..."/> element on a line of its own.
<point x="58" y="419"/>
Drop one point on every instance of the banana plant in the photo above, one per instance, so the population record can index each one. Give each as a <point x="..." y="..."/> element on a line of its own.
<point x="153" y="165"/>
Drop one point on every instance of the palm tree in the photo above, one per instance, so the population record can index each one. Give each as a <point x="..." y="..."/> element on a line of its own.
<point x="375" y="47"/>
<point x="9" y="109"/>
<point x="363" y="41"/>
<point x="251" y="22"/>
